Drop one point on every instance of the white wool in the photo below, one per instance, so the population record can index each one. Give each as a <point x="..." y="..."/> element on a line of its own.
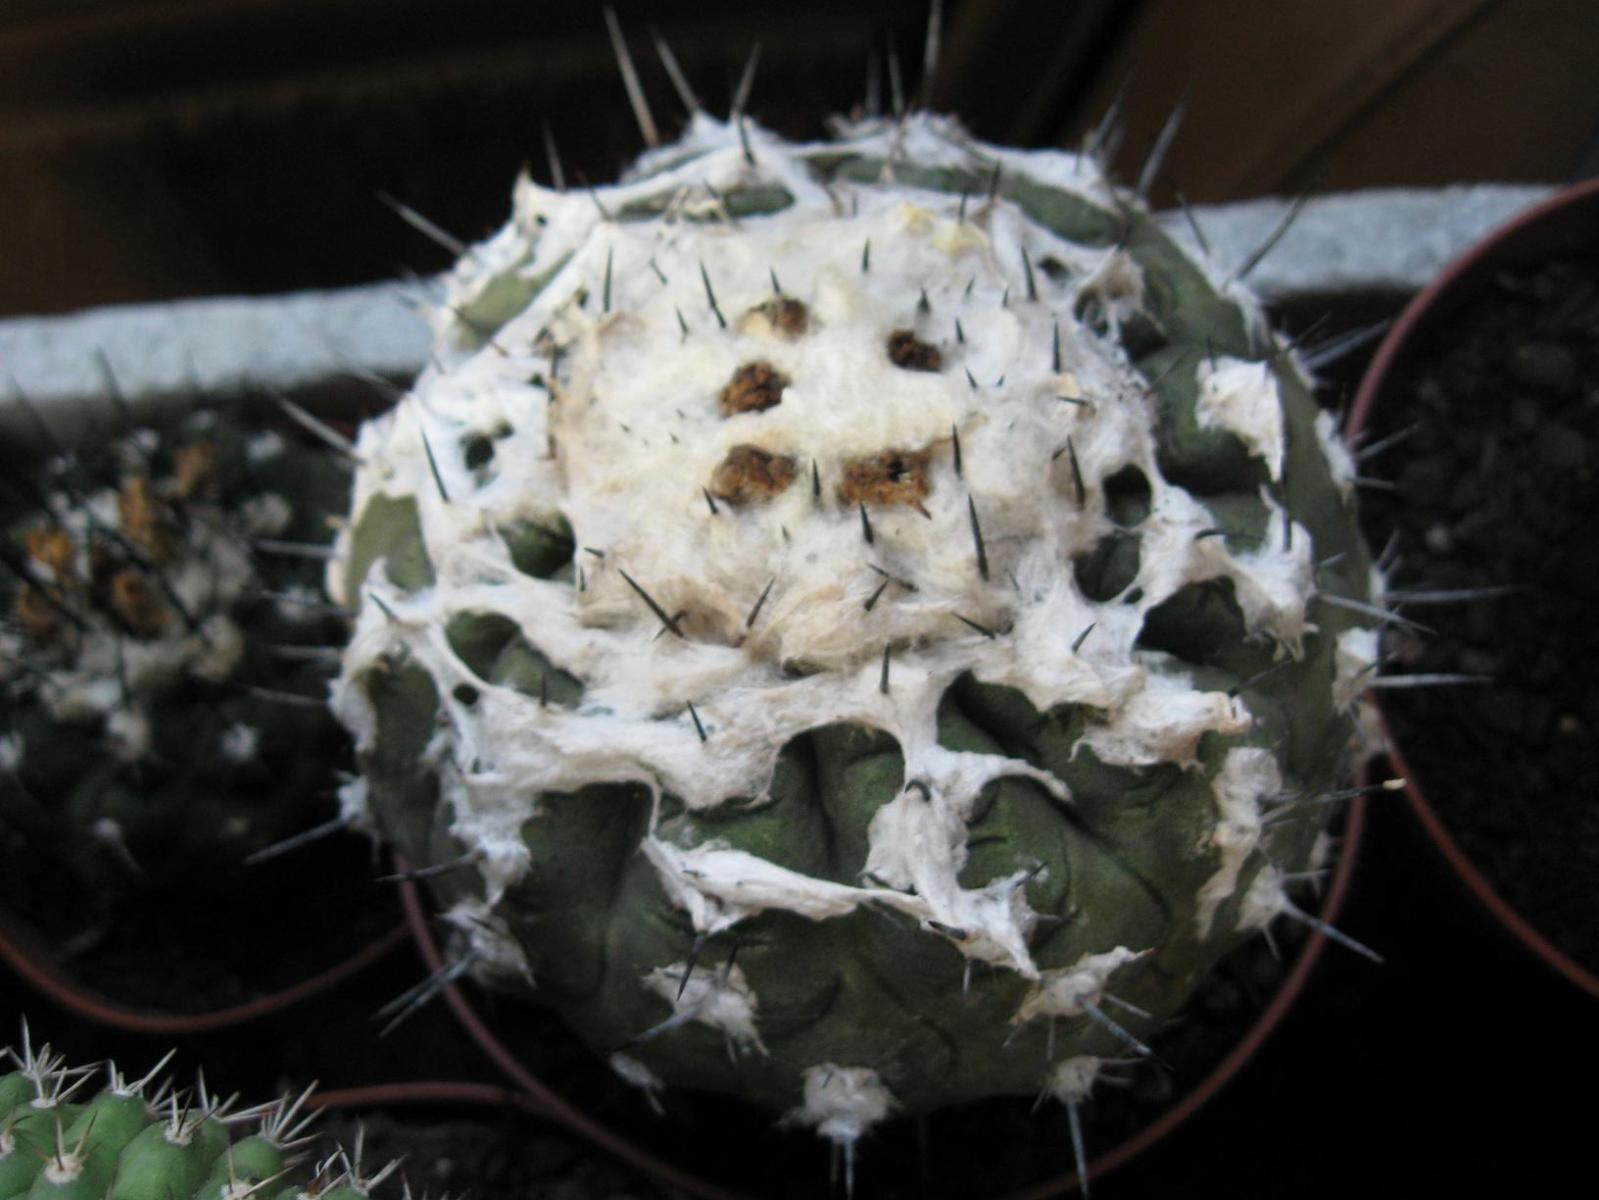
<point x="266" y="515"/>
<point x="842" y="1103"/>
<point x="1071" y="1080"/>
<point x="489" y="943"/>
<point x="1247" y="775"/>
<point x="1242" y="398"/>
<point x="264" y="446"/>
<point x="1265" y="900"/>
<point x="128" y="734"/>
<point x="299" y="602"/>
<point x="1354" y="664"/>
<point x="719" y="997"/>
<point x="1164" y="721"/>
<point x="1066" y="992"/>
<point x="215" y="649"/>
<point x="621" y="433"/>
<point x="1339" y="461"/>
<point x="136" y="450"/>
<point x="240" y="742"/>
<point x="63" y="1167"/>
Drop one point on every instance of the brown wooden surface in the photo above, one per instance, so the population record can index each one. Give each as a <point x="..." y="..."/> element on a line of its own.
<point x="152" y="150"/>
<point x="1296" y="95"/>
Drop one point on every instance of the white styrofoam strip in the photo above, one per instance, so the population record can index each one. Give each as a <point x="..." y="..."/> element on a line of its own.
<point x="1355" y="243"/>
<point x="165" y="354"/>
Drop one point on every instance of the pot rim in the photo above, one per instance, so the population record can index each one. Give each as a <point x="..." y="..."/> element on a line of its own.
<point x="26" y="952"/>
<point x="1545" y="228"/>
<point x="549" y="1102"/>
<point x="1510" y="242"/>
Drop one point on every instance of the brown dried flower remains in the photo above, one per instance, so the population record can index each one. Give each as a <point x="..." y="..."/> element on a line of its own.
<point x="144" y="517"/>
<point x="909" y="352"/>
<point x="35" y="613"/>
<point x="136" y="603"/>
<point x="755" y="387"/>
<point x="52" y="548"/>
<point x="887" y="477"/>
<point x="750" y="473"/>
<point x="195" y="470"/>
<point x="782" y="315"/>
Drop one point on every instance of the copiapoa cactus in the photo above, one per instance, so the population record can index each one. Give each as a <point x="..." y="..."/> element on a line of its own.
<point x="163" y="708"/>
<point x="860" y="626"/>
<point x="142" y="1140"/>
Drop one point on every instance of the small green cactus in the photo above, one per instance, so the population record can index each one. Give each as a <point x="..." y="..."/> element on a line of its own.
<point x="854" y="626"/>
<point x="141" y="1140"/>
<point x="163" y="673"/>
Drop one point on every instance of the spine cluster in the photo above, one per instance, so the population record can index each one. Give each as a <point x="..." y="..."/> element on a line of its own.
<point x="144" y="1139"/>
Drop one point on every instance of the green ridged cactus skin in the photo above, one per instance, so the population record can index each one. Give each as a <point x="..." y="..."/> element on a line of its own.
<point x="854" y="615"/>
<point x="158" y="722"/>
<point x="136" y="1140"/>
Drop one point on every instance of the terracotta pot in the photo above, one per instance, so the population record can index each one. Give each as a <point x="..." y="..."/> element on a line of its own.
<point x="545" y="1096"/>
<point x="202" y="957"/>
<point x="1566" y="223"/>
<point x="32" y="958"/>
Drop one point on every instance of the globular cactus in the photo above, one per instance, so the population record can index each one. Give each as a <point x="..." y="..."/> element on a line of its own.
<point x="857" y="626"/>
<point x="164" y="705"/>
<point x="141" y="1140"/>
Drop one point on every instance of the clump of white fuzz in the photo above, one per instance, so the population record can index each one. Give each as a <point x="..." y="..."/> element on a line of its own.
<point x="719" y="998"/>
<point x="842" y="1103"/>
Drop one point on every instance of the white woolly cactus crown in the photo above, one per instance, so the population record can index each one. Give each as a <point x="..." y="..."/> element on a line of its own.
<point x="808" y="571"/>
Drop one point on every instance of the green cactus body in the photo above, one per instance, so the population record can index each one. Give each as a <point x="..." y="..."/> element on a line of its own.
<point x="149" y="668"/>
<point x="840" y="673"/>
<point x="129" y="1143"/>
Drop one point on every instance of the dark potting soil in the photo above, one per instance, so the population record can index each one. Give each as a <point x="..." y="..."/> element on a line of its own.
<point x="189" y="950"/>
<point x="1498" y="484"/>
<point x="510" y="1158"/>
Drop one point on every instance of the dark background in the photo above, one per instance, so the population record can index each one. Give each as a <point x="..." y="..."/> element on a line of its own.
<point x="151" y="149"/>
<point x="156" y="150"/>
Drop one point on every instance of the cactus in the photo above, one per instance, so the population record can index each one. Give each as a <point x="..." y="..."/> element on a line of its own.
<point x="141" y="1140"/>
<point x="164" y="713"/>
<point x="860" y="627"/>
